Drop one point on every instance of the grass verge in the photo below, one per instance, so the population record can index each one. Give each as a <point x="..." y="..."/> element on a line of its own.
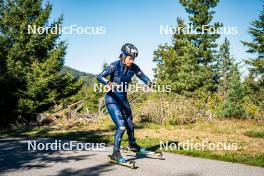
<point x="248" y="134"/>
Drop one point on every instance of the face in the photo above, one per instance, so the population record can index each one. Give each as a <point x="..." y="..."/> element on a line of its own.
<point x="128" y="61"/>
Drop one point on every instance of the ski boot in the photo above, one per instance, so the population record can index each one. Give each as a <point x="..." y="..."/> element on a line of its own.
<point x="117" y="158"/>
<point x="140" y="150"/>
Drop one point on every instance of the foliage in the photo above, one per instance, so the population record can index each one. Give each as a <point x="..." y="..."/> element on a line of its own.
<point x="31" y="63"/>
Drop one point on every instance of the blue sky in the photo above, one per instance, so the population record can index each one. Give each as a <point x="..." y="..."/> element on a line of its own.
<point x="138" y="22"/>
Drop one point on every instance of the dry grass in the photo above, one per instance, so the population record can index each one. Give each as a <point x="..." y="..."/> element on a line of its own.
<point x="170" y="110"/>
<point x="215" y="131"/>
<point x="250" y="149"/>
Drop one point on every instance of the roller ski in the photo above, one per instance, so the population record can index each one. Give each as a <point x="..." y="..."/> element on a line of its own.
<point x="141" y="151"/>
<point x="117" y="158"/>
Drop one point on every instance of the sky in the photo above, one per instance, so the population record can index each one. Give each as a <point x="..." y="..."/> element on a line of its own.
<point x="138" y="22"/>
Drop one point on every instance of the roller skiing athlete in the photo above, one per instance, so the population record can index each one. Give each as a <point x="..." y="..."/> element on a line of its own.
<point x="116" y="101"/>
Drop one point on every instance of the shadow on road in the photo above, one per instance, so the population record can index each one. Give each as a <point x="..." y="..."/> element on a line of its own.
<point x="91" y="171"/>
<point x="89" y="136"/>
<point x="14" y="155"/>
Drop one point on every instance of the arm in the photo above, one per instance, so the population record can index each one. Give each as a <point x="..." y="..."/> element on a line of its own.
<point x="107" y="71"/>
<point x="142" y="76"/>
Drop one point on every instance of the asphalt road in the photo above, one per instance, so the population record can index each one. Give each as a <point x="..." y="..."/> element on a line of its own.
<point x="16" y="159"/>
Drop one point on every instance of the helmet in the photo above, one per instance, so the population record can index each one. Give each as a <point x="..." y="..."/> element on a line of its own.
<point x="129" y="49"/>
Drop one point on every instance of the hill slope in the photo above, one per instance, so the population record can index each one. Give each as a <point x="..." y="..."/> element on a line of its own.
<point x="88" y="78"/>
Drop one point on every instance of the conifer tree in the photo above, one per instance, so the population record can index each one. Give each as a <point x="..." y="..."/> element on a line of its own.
<point x="32" y="62"/>
<point x="190" y="63"/>
<point x="255" y="80"/>
<point x="230" y="87"/>
<point x="256" y="46"/>
<point x="232" y="105"/>
<point x="200" y="16"/>
<point x="176" y="64"/>
<point x="225" y="64"/>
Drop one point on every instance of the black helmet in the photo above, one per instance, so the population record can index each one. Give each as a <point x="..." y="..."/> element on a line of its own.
<point x="129" y="49"/>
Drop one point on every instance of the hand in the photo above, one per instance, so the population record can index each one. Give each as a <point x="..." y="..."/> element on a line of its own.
<point x="149" y="87"/>
<point x="150" y="84"/>
<point x="109" y="86"/>
<point x="146" y="88"/>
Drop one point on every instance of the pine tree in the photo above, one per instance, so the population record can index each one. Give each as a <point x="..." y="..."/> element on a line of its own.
<point x="200" y="15"/>
<point x="225" y="64"/>
<point x="190" y="63"/>
<point x="33" y="62"/>
<point x="255" y="82"/>
<point x="232" y="106"/>
<point x="230" y="87"/>
<point x="256" y="46"/>
<point x="176" y="64"/>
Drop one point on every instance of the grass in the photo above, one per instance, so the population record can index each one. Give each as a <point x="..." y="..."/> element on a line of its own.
<point x="235" y="157"/>
<point x="247" y="134"/>
<point x="255" y="134"/>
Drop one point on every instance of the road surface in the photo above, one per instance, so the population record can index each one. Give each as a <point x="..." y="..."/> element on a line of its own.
<point x="16" y="159"/>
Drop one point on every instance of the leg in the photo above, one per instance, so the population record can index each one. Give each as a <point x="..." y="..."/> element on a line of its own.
<point x="130" y="130"/>
<point x="117" y="117"/>
<point x="129" y="122"/>
<point x="130" y="127"/>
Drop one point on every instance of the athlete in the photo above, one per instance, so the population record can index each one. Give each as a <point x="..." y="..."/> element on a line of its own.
<point x="116" y="101"/>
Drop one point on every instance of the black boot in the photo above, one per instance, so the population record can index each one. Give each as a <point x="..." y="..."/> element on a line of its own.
<point x="134" y="147"/>
<point x="117" y="156"/>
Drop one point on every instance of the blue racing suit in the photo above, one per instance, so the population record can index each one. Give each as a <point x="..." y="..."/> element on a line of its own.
<point x="116" y="101"/>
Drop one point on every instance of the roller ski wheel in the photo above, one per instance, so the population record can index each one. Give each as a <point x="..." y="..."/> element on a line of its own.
<point x="131" y="164"/>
